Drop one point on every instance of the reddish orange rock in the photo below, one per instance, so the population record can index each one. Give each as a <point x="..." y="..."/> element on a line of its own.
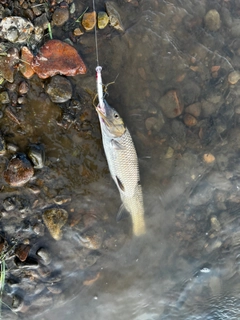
<point x="25" y="66"/>
<point x="57" y="57"/>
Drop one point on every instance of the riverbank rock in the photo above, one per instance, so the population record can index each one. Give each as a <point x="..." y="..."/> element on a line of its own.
<point x="60" y="16"/>
<point x="16" y="29"/>
<point x="59" y="89"/>
<point x="212" y="20"/>
<point x="57" y="57"/>
<point x="114" y="16"/>
<point x="103" y="19"/>
<point x="19" y="171"/>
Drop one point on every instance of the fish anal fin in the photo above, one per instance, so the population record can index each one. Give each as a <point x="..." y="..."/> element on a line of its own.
<point x="120" y="185"/>
<point x="122" y="213"/>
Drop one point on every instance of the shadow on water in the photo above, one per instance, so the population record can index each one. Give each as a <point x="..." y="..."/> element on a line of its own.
<point x="187" y="265"/>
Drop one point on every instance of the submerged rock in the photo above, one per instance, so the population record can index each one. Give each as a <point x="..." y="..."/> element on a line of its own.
<point x="7" y="63"/>
<point x="60" y="16"/>
<point x="171" y="104"/>
<point x="25" y="66"/>
<point x="57" y="57"/>
<point x="36" y="154"/>
<point x="212" y="20"/>
<point x="114" y="16"/>
<point x="16" y="29"/>
<point x="103" y="19"/>
<point x="54" y="220"/>
<point x="89" y="20"/>
<point x="59" y="89"/>
<point x="19" y="171"/>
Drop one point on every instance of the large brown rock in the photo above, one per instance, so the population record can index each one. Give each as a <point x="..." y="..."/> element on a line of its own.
<point x="57" y="57"/>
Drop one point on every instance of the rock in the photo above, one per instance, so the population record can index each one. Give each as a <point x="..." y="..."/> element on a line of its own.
<point x="54" y="220"/>
<point x="4" y="97"/>
<point x="233" y="77"/>
<point x="19" y="171"/>
<point x="44" y="255"/>
<point x="154" y="124"/>
<point x="92" y="238"/>
<point x="194" y="109"/>
<point x="171" y="104"/>
<point x="89" y="20"/>
<point x="59" y="89"/>
<point x="103" y="19"/>
<point x="169" y="153"/>
<point x="215" y="224"/>
<point x="7" y="64"/>
<point x="61" y="199"/>
<point x="114" y="16"/>
<point x="25" y="68"/>
<point x="208" y="158"/>
<point x="2" y="145"/>
<point x="60" y="16"/>
<point x="57" y="57"/>
<point x="36" y="154"/>
<point x="212" y="20"/>
<point x="189" y="120"/>
<point x="9" y="204"/>
<point x="16" y="29"/>
<point x="77" y="32"/>
<point x="23" y="87"/>
<point x="22" y="251"/>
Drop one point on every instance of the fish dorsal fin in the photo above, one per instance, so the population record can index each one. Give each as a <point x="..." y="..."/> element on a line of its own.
<point x="120" y="185"/>
<point x="116" y="145"/>
<point x="122" y="213"/>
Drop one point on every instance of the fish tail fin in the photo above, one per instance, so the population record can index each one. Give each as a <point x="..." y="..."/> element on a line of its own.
<point x="139" y="227"/>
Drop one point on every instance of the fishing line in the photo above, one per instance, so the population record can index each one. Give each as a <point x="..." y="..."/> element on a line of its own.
<point x="95" y="32"/>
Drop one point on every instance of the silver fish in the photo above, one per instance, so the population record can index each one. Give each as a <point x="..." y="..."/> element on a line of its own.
<point x="123" y="164"/>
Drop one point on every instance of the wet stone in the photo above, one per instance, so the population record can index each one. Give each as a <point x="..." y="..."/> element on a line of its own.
<point x="9" y="203"/>
<point x="103" y="19"/>
<point x="44" y="255"/>
<point x="77" y="32"/>
<point x="16" y="29"/>
<point x="194" y="109"/>
<point x="154" y="124"/>
<point x="54" y="220"/>
<point x="7" y="63"/>
<point x="92" y="238"/>
<point x="23" y="87"/>
<point x="59" y="89"/>
<point x="171" y="104"/>
<point x="36" y="154"/>
<point x="212" y="20"/>
<point x="89" y="20"/>
<point x="189" y="120"/>
<point x="57" y="57"/>
<point x="19" y="171"/>
<point x="233" y="77"/>
<point x="60" y="16"/>
<point x="25" y="68"/>
<point x="4" y="97"/>
<point x="114" y="16"/>
<point x="39" y="229"/>
<point x="22" y="251"/>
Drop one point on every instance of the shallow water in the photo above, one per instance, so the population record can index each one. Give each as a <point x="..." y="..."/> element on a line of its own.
<point x="187" y="265"/>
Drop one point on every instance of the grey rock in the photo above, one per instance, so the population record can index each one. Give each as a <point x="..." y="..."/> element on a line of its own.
<point x="59" y="89"/>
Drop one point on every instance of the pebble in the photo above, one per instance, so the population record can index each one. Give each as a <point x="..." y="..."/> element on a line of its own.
<point x="12" y="147"/>
<point x="7" y="64"/>
<point x="25" y="68"/>
<point x="2" y="145"/>
<point x="22" y="251"/>
<point x="59" y="89"/>
<point x="23" y="87"/>
<point x="169" y="153"/>
<point x="54" y="220"/>
<point x="89" y="20"/>
<point x="189" y="120"/>
<point x="9" y="203"/>
<point x="233" y="77"/>
<point x="114" y="16"/>
<point x="194" y="109"/>
<point x="57" y="57"/>
<point x="36" y="154"/>
<point x="171" y="104"/>
<point x="44" y="255"/>
<point x="154" y="124"/>
<point x="92" y="238"/>
<point x="4" y="97"/>
<point x="77" y="32"/>
<point x="215" y="224"/>
<point x="61" y="199"/>
<point x="19" y="171"/>
<point x="103" y="19"/>
<point x="212" y="20"/>
<point x="208" y="158"/>
<point x="60" y="16"/>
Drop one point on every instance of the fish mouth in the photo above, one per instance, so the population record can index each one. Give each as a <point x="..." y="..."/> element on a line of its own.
<point x="102" y="113"/>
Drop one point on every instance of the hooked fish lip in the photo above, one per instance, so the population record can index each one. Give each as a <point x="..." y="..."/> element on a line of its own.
<point x="102" y="115"/>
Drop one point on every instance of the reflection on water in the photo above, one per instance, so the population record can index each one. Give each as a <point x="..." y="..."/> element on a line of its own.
<point x="187" y="265"/>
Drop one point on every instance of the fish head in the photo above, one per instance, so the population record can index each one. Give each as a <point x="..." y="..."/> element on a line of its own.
<point x="110" y="120"/>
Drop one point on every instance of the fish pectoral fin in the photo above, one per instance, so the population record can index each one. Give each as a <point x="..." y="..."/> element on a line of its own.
<point x="116" y="145"/>
<point x="122" y="213"/>
<point x="120" y="185"/>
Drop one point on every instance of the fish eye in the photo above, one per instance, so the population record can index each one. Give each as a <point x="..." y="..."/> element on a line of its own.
<point x="116" y="115"/>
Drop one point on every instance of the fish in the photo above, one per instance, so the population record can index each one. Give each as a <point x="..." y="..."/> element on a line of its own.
<point x="123" y="164"/>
